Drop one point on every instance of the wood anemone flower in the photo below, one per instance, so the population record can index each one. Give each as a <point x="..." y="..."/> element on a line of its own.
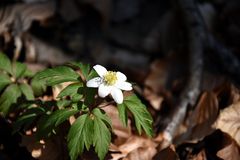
<point x="110" y="82"/>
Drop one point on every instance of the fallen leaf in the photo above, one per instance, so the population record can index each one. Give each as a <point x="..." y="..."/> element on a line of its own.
<point x="155" y="83"/>
<point x="221" y="145"/>
<point x="204" y="115"/>
<point x="154" y="99"/>
<point x="230" y="152"/>
<point x="227" y="94"/>
<point x="200" y="156"/>
<point x="166" y="154"/>
<point x="136" y="148"/>
<point x="157" y="78"/>
<point x="207" y="107"/>
<point x="229" y="121"/>
<point x="141" y="154"/>
<point x="135" y="142"/>
<point x="218" y="145"/>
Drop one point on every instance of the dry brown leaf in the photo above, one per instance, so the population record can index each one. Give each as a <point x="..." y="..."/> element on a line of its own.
<point x="155" y="83"/>
<point x="136" y="148"/>
<point x="207" y="108"/>
<point x="200" y="121"/>
<point x="235" y="94"/>
<point x="154" y="99"/>
<point x="141" y="154"/>
<point x="200" y="156"/>
<point x="204" y="115"/>
<point x="229" y="121"/>
<point x="158" y="75"/>
<point x="227" y="94"/>
<point x="135" y="142"/>
<point x="220" y="145"/>
<point x="117" y="156"/>
<point x="166" y="154"/>
<point x="231" y="152"/>
<point x="216" y="145"/>
<point x="166" y="77"/>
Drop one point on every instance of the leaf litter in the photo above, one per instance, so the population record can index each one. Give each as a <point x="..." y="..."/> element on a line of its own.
<point x="210" y="129"/>
<point x="194" y="139"/>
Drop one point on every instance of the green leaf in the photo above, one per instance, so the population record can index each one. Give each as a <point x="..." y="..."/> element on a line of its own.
<point x="5" y="63"/>
<point x="28" y="73"/>
<point x="24" y="120"/>
<point x="4" y="80"/>
<point x="60" y="116"/>
<point x="58" y="75"/>
<point x="9" y="96"/>
<point x="140" y="113"/>
<point x="102" y="135"/>
<point x="63" y="103"/>
<point x="38" y="86"/>
<point x="89" y="96"/>
<point x="80" y="106"/>
<point x="18" y="69"/>
<point x="122" y="111"/>
<point x="103" y="116"/>
<point x="27" y="118"/>
<point x="55" y="119"/>
<point x="70" y="90"/>
<point x="80" y="135"/>
<point x="27" y="91"/>
<point x="92" y="74"/>
<point x="84" y="68"/>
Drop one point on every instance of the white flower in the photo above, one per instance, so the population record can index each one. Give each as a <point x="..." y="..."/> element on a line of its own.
<point x="110" y="82"/>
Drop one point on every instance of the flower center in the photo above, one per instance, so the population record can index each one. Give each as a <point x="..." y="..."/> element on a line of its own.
<point x="110" y="78"/>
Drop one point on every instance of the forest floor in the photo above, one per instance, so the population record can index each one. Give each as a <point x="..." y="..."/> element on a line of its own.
<point x="184" y="64"/>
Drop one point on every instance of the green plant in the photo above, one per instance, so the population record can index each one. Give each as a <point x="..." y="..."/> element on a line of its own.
<point x="82" y="98"/>
<point x="14" y="84"/>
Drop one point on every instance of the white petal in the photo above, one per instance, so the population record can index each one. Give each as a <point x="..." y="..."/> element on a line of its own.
<point x="124" y="86"/>
<point x="95" y="82"/>
<point x="104" y="90"/>
<point x="117" y="95"/>
<point x="121" y="77"/>
<point x="101" y="71"/>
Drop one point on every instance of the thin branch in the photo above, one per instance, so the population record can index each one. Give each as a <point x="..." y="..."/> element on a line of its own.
<point x="196" y="34"/>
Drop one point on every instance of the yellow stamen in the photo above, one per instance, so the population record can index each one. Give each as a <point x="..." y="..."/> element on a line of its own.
<point x="110" y="78"/>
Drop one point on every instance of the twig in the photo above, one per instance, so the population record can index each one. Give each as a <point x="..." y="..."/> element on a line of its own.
<point x="196" y="35"/>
